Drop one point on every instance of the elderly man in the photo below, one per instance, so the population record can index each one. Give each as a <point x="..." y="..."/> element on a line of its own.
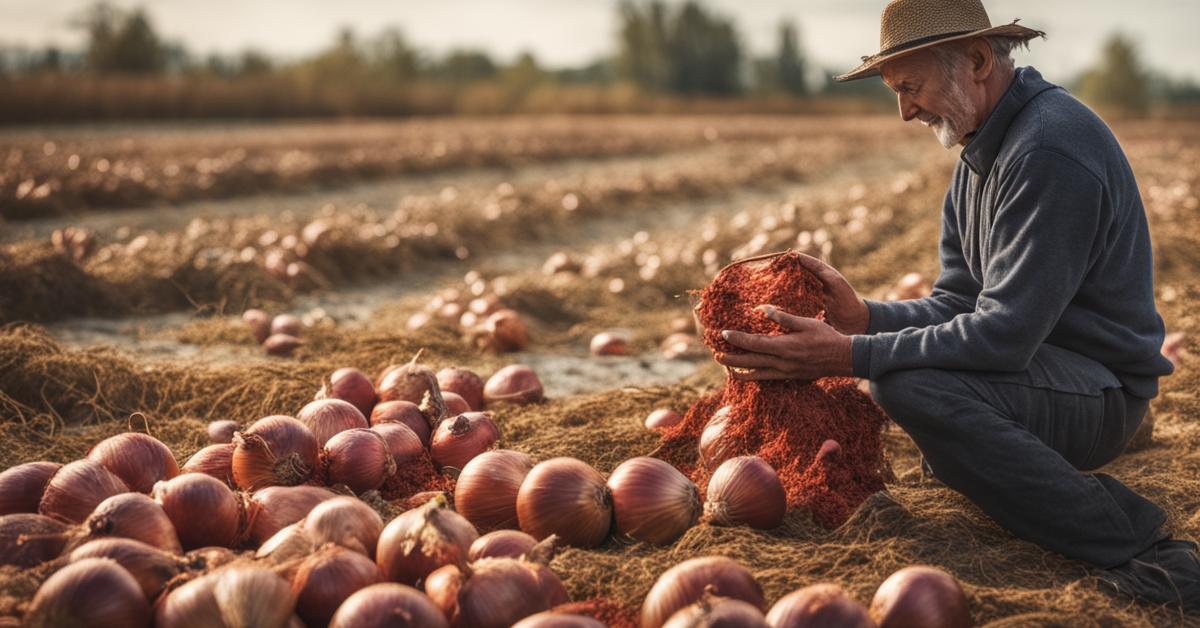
<point x="1037" y="354"/>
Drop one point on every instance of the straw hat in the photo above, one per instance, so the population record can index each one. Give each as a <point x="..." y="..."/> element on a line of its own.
<point x="910" y="25"/>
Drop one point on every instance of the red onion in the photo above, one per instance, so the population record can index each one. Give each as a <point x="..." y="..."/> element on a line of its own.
<point x="325" y="579"/>
<point x="409" y="382"/>
<point x="388" y="605"/>
<point x="27" y="540"/>
<point x="652" y="501"/>
<point x="94" y="592"/>
<point x="77" y="488"/>
<point x="350" y="385"/>
<point x="138" y="459"/>
<point x="565" y="496"/>
<point x="685" y="583"/>
<point x="221" y="432"/>
<point x="489" y="593"/>
<point x="286" y="324"/>
<point x="714" y="447"/>
<point x="421" y="540"/>
<point x="275" y="507"/>
<point x="663" y="418"/>
<point x="818" y="605"/>
<point x="215" y="461"/>
<point x="746" y="490"/>
<point x="282" y="345"/>
<point x="134" y="516"/>
<point x="237" y="595"/>
<point x="463" y="382"/>
<point x="403" y="412"/>
<point x="486" y="490"/>
<point x="289" y="544"/>
<point x="259" y="323"/>
<point x="556" y="619"/>
<point x="506" y="331"/>
<point x="515" y="383"/>
<point x="276" y="450"/>
<point x="455" y="442"/>
<point x="327" y="417"/>
<point x="609" y="343"/>
<point x="358" y="458"/>
<point x="21" y="487"/>
<point x="346" y="521"/>
<point x="501" y="544"/>
<point x="455" y="405"/>
<point x="202" y="508"/>
<point x="402" y="443"/>
<point x="920" y="596"/>
<point x="717" y="612"/>
<point x="151" y="567"/>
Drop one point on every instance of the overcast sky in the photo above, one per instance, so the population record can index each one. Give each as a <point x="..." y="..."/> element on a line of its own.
<point x="572" y="32"/>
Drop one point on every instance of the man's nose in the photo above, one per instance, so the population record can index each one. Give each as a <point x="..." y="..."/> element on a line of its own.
<point x="908" y="109"/>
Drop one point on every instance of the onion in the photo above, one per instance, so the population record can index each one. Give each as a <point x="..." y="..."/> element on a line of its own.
<point x="486" y="490"/>
<point x="134" y="516"/>
<point x="463" y="382"/>
<point x="502" y="544"/>
<point x="192" y="494"/>
<point x="388" y="605"/>
<point x="237" y="595"/>
<point x="515" y="383"/>
<point x="663" y="418"/>
<point x="686" y="583"/>
<point x="138" y="459"/>
<point x="346" y="521"/>
<point x="818" y="605"/>
<point x="325" y="579"/>
<point x="282" y="345"/>
<point x="286" y="324"/>
<point x="215" y="461"/>
<point x="77" y="488"/>
<point x="456" y="442"/>
<point x="21" y="487"/>
<point x="554" y="619"/>
<point x="565" y="496"/>
<point x="403" y="412"/>
<point x="489" y="593"/>
<point x="718" y="612"/>
<point x="920" y="596"/>
<point x="421" y="540"/>
<point x="609" y="343"/>
<point x="358" y="458"/>
<point x="221" y="432"/>
<point x="93" y="592"/>
<point x="714" y="447"/>
<point x="274" y="507"/>
<point x="259" y="323"/>
<point x="455" y="404"/>
<point x="327" y="417"/>
<point x="289" y="544"/>
<point x="151" y="567"/>
<point x="402" y="443"/>
<point x="276" y="450"/>
<point x="506" y="331"/>
<point x="652" y="501"/>
<point x="27" y="540"/>
<point x="350" y="385"/>
<point x="746" y="490"/>
<point x="409" y="382"/>
<point x="682" y="346"/>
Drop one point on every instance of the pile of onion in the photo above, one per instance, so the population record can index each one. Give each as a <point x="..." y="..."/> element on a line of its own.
<point x="275" y="451"/>
<point x="275" y="507"/>
<point x="405" y="413"/>
<point x="819" y="605"/>
<point x="21" y="487"/>
<point x="565" y="496"/>
<point x="652" y="500"/>
<point x="486" y="490"/>
<point x="515" y="383"/>
<point x="345" y="521"/>
<point x="350" y="385"/>
<point x="214" y="460"/>
<point x="151" y="567"/>
<point x="138" y="459"/>
<point x="686" y="583"/>
<point x="746" y="490"/>
<point x="327" y="578"/>
<point x="202" y="509"/>
<point x="237" y="595"/>
<point x="75" y="490"/>
<point x="421" y="540"/>
<point x="493" y="592"/>
<point x="134" y="516"/>
<point x="920" y="596"/>
<point x="27" y="540"/>
<point x="388" y="604"/>
<point x="328" y="417"/>
<point x="456" y="441"/>
<point x="463" y="382"/>
<point x="93" y="592"/>
<point x="359" y="458"/>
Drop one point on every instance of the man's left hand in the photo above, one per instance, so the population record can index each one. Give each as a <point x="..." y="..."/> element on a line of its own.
<point x="811" y="351"/>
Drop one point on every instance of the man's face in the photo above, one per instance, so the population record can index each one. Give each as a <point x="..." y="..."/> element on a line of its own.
<point x="927" y="92"/>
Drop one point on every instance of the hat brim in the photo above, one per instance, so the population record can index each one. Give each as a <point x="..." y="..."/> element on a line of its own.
<point x="870" y="65"/>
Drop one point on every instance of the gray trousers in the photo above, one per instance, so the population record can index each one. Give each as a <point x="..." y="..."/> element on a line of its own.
<point x="1017" y="445"/>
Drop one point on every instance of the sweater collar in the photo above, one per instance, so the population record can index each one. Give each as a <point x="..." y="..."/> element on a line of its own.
<point x="980" y="153"/>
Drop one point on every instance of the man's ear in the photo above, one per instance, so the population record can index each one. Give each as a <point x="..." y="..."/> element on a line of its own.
<point x="982" y="59"/>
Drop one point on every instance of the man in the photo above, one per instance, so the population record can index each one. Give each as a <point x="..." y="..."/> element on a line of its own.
<point x="1038" y="351"/>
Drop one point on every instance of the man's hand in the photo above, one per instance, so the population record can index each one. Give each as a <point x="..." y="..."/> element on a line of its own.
<point x="813" y="350"/>
<point x="843" y="309"/>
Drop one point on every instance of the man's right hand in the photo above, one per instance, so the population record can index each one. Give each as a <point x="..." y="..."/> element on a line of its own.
<point x="843" y="309"/>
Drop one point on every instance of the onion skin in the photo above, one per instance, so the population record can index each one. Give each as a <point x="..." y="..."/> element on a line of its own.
<point x="501" y="544"/>
<point x="151" y="567"/>
<point x="274" y="508"/>
<point x="77" y="488"/>
<point x="402" y="443"/>
<point x="215" y="461"/>
<point x="746" y="490"/>
<point x="515" y="383"/>
<point x="493" y="593"/>
<point x="609" y="343"/>
<point x="21" y="487"/>
<point x="359" y="458"/>
<point x="457" y="441"/>
<point x="221" y="432"/>
<point x="259" y="323"/>
<point x="463" y="382"/>
<point x="346" y="521"/>
<point x="238" y="595"/>
<point x="686" y="583"/>
<point x="138" y="459"/>
<point x="920" y="596"/>
<point x="94" y="592"/>
<point x="275" y="451"/>
<point x="326" y="418"/>
<point x="134" y="516"/>
<point x="565" y="496"/>
<point x="455" y="404"/>
<point x="714" y="449"/>
<point x="421" y="540"/>
<point x="663" y="418"/>
<point x="325" y="579"/>
<point x="486" y="490"/>
<point x="718" y="612"/>
<point x="405" y="413"/>
<point x="652" y="501"/>
<point x="202" y="509"/>
<point x="388" y="605"/>
<point x="554" y="619"/>
<point x="350" y="385"/>
<point x="27" y="540"/>
<point x="818" y="605"/>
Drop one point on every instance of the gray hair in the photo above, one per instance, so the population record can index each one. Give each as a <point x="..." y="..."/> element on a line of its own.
<point x="954" y="54"/>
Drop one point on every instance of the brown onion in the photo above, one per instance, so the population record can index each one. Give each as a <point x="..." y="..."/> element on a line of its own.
<point x="489" y="593"/>
<point x="609" y="343"/>
<point x="275" y="451"/>
<point x="421" y="540"/>
<point x="350" y="385"/>
<point x="259" y="323"/>
<point x="718" y="612"/>
<point x="282" y="345"/>
<point x="237" y="595"/>
<point x="325" y="579"/>
<point x="455" y="442"/>
<point x="138" y="459"/>
<point x="27" y="540"/>
<point x="746" y="490"/>
<point x="215" y="461"/>
<point x="406" y="413"/>
<point x="358" y="458"/>
<point x="346" y="521"/>
<point x="515" y="383"/>
<point x="565" y="496"/>
<point x="151" y="567"/>
<point x="21" y="487"/>
<point x="388" y="605"/>
<point x="221" y="432"/>
<point x="663" y="418"/>
<point x="818" y="605"/>
<point x="505" y="331"/>
<point x="685" y="584"/>
<point x="94" y="592"/>
<point x="328" y="417"/>
<point x="486" y="490"/>
<point x="289" y="544"/>
<point x="501" y="544"/>
<point x="463" y="382"/>
<point x="202" y="508"/>
<point x="652" y="501"/>
<point x="557" y="619"/>
<point x="286" y="324"/>
<point x="715" y="448"/>
<point x="455" y="404"/>
<point x="275" y="507"/>
<point x="920" y="596"/>
<point x="134" y="516"/>
<point x="77" y="488"/>
<point x="409" y="382"/>
<point x="402" y="443"/>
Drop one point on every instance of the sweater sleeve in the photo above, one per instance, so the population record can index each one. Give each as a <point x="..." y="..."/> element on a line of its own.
<point x="1038" y="245"/>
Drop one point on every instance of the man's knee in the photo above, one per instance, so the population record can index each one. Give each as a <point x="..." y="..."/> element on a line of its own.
<point x="914" y="395"/>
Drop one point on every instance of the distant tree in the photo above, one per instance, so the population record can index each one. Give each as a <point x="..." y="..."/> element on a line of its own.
<point x="642" y="55"/>
<point x="790" y="63"/>
<point x="254" y="63"/>
<point x="392" y="58"/>
<point x="524" y="73"/>
<point x="1119" y="81"/>
<point x="463" y="66"/>
<point x="690" y="51"/>
<point x="121" y="42"/>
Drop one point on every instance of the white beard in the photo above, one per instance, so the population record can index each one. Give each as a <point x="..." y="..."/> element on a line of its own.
<point x="951" y="129"/>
